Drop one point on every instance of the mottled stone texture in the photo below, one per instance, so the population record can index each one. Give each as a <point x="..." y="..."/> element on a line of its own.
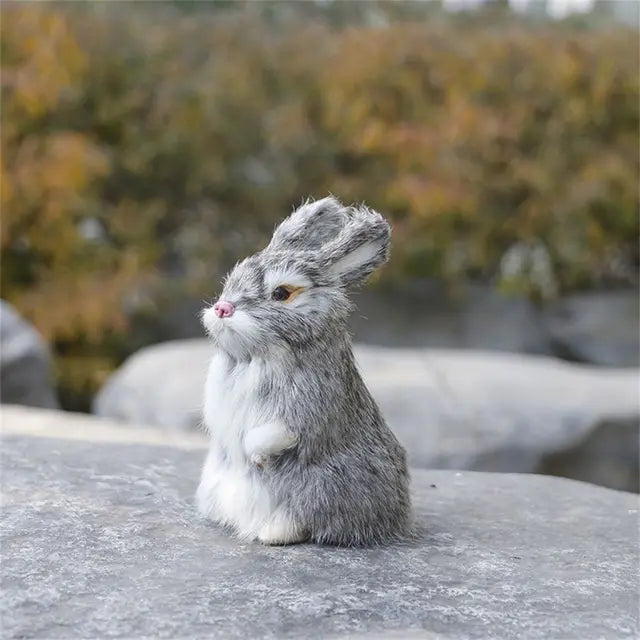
<point x="101" y="540"/>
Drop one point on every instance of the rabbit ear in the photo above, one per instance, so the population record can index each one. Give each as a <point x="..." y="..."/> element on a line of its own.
<point x="310" y="226"/>
<point x="361" y="247"/>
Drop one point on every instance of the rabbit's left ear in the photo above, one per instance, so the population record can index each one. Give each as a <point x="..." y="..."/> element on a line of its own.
<point x="361" y="247"/>
<point x="311" y="225"/>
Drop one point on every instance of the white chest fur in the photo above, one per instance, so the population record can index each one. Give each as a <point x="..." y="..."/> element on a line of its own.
<point x="232" y="404"/>
<point x="230" y="491"/>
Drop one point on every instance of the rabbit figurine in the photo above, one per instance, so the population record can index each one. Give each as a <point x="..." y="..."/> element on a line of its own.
<point x="299" y="450"/>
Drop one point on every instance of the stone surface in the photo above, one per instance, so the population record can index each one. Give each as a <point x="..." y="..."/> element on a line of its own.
<point x="452" y="409"/>
<point x="25" y="366"/>
<point x="100" y="539"/>
<point x="498" y="412"/>
<point x="607" y="456"/>
<point x="161" y="385"/>
<point x="599" y="328"/>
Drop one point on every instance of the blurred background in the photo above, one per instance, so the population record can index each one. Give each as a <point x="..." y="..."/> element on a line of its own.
<point x="146" y="146"/>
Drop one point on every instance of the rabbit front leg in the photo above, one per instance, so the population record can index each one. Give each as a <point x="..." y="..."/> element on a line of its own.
<point x="269" y="439"/>
<point x="260" y="443"/>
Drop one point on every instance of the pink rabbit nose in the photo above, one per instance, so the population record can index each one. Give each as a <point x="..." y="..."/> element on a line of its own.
<point x="223" y="309"/>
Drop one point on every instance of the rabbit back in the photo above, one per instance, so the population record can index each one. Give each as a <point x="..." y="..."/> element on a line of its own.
<point x="347" y="482"/>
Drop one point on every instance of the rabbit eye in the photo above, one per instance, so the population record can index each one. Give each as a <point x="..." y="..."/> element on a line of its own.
<point x="281" y="294"/>
<point x="286" y="292"/>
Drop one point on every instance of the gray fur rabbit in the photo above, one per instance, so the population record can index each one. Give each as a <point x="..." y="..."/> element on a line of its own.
<point x="299" y="450"/>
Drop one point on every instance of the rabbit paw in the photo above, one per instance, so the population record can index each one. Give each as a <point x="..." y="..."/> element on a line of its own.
<point x="269" y="439"/>
<point x="281" y="530"/>
<point x="259" y="460"/>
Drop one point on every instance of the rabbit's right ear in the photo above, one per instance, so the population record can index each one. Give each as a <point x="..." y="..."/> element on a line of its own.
<point x="310" y="226"/>
<point x="361" y="247"/>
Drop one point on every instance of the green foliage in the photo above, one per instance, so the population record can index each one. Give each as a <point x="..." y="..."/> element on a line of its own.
<point x="179" y="136"/>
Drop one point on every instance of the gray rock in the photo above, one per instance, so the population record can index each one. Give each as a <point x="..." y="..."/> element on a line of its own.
<point x="598" y="328"/>
<point x="451" y="409"/>
<point x="158" y="385"/>
<point x="25" y="366"/>
<point x="608" y="456"/>
<point x="492" y="411"/>
<point x="103" y="541"/>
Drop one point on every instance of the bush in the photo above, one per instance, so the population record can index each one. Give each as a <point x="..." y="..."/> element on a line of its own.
<point x="146" y="147"/>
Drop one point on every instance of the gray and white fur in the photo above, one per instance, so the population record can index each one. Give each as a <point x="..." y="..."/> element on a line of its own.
<point x="299" y="449"/>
